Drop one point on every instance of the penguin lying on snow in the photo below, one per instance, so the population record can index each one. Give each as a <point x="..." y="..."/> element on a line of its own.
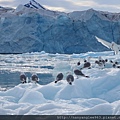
<point x="70" y="78"/>
<point x="87" y="63"/>
<point x="59" y="77"/>
<point x="79" y="73"/>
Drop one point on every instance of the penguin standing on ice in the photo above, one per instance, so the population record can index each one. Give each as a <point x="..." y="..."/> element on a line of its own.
<point x="70" y="78"/>
<point x="59" y="77"/>
<point x="23" y="78"/>
<point x="35" y="78"/>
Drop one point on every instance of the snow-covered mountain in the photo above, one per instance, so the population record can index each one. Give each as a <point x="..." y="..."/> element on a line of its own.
<point x="32" y="27"/>
<point x="34" y="4"/>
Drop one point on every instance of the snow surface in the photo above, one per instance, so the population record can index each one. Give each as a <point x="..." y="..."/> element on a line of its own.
<point x="97" y="95"/>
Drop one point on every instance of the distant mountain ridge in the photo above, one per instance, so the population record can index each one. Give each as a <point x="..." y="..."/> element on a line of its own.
<point x="32" y="28"/>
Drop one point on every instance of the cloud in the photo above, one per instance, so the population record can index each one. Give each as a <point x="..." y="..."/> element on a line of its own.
<point x="55" y="8"/>
<point x="6" y="3"/>
<point x="107" y="2"/>
<point x="78" y="5"/>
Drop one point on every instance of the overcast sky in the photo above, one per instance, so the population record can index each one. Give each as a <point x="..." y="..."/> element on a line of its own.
<point x="70" y="5"/>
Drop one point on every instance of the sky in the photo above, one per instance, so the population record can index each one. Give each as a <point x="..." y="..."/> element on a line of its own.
<point x="70" y="5"/>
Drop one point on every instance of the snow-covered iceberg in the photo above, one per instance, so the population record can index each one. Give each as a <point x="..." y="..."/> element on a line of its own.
<point x="88" y="96"/>
<point x="97" y="95"/>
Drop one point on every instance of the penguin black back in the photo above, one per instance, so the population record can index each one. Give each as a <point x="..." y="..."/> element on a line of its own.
<point x="78" y="72"/>
<point x="59" y="76"/>
<point x="87" y="64"/>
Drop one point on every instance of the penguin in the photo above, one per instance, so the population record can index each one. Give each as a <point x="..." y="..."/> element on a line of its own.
<point x="100" y="64"/>
<point x="59" y="77"/>
<point x="87" y="63"/>
<point x="34" y="78"/>
<point x="23" y="78"/>
<point x="79" y="73"/>
<point x="115" y="64"/>
<point x="70" y="78"/>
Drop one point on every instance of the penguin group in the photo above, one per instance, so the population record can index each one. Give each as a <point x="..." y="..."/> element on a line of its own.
<point x="101" y="62"/>
<point x="24" y="79"/>
<point x="69" y="77"/>
<point x="105" y="63"/>
<point x="115" y="64"/>
<point x="77" y="71"/>
<point x="86" y="64"/>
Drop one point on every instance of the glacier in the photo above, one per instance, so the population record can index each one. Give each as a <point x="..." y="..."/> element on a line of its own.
<point x="33" y="28"/>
